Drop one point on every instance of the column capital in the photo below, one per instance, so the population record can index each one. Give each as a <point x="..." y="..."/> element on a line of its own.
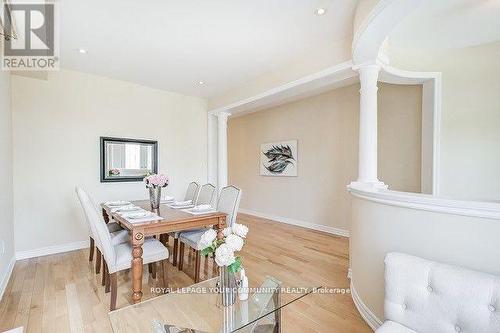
<point x="223" y="115"/>
<point x="369" y="65"/>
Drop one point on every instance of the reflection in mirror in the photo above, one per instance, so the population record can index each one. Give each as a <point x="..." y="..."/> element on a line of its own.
<point x="127" y="159"/>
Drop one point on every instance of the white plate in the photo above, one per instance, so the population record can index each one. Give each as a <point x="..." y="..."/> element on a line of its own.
<point x="180" y="207"/>
<point x="139" y="215"/>
<point x="129" y="209"/>
<point x="194" y="210"/>
<point x="118" y="203"/>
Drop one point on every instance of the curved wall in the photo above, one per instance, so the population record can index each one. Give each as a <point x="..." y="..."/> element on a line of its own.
<point x="458" y="233"/>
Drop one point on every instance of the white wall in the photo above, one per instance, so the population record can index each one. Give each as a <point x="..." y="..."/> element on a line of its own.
<point x="470" y="135"/>
<point x="333" y="54"/>
<point x="6" y="191"/>
<point x="57" y="124"/>
<point x="379" y="227"/>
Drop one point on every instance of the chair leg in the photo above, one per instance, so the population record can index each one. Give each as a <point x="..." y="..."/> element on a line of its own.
<point x="181" y="256"/>
<point x="152" y="269"/>
<point x="197" y="267"/>
<point x="104" y="273"/>
<point x="164" y="264"/>
<point x="91" y="249"/>
<point x="98" y="261"/>
<point x="113" y="286"/>
<point x="176" y="250"/>
<point x="108" y="282"/>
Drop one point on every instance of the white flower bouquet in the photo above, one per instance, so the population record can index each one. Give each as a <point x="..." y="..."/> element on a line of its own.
<point x="225" y="248"/>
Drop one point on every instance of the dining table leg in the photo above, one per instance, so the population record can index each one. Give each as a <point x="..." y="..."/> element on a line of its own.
<point x="219" y="227"/>
<point x="137" y="242"/>
<point x="105" y="216"/>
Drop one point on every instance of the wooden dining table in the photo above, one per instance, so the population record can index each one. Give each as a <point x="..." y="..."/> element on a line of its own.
<point x="173" y="220"/>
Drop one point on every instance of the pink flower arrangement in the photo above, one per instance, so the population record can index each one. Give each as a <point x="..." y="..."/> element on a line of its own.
<point x="155" y="180"/>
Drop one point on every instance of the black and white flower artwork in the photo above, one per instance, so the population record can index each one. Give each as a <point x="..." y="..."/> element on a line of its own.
<point x="279" y="159"/>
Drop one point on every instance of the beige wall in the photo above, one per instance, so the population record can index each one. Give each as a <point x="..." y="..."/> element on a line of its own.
<point x="57" y="124"/>
<point x="400" y="137"/>
<point x="6" y="190"/>
<point x="326" y="127"/>
<point x="470" y="122"/>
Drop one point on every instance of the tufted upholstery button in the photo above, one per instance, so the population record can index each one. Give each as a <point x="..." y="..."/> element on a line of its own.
<point x="404" y="306"/>
<point x="491" y="308"/>
<point x="457" y="328"/>
<point x="429" y="289"/>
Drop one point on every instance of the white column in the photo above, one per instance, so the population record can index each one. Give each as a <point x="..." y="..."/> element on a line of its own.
<point x="212" y="149"/>
<point x="367" y="167"/>
<point x="222" y="149"/>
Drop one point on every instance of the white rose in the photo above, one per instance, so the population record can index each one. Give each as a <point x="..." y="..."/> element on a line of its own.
<point x="227" y="231"/>
<point x="240" y="230"/>
<point x="234" y="242"/>
<point x="207" y="239"/>
<point x="224" y="255"/>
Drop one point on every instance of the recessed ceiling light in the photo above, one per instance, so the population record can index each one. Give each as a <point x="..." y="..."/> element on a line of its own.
<point x="201" y="82"/>
<point x="82" y="51"/>
<point x="320" y="11"/>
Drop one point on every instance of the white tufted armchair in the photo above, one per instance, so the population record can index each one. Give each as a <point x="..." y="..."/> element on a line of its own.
<point x="428" y="297"/>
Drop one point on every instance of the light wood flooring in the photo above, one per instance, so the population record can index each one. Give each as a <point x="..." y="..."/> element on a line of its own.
<point x="62" y="293"/>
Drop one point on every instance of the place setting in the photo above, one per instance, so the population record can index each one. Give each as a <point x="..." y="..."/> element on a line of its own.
<point x="140" y="215"/>
<point x="200" y="210"/>
<point x="181" y="204"/>
<point x="131" y="212"/>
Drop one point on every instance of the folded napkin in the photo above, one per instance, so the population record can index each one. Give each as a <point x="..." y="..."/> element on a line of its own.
<point x="117" y="203"/>
<point x="201" y="208"/>
<point x="192" y="211"/>
<point x="148" y="218"/>
<point x="182" y="203"/>
<point x="124" y="208"/>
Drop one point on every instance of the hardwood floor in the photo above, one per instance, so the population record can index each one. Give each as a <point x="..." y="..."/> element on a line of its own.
<point x="62" y="293"/>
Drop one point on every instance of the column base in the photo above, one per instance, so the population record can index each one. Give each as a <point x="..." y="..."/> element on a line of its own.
<point x="375" y="185"/>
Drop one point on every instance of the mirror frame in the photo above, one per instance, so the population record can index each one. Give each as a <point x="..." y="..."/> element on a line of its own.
<point x="105" y="139"/>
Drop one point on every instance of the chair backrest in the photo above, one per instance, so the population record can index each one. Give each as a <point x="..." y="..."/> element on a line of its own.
<point x="206" y="195"/>
<point x="87" y="205"/>
<point x="229" y="201"/>
<point x="192" y="191"/>
<point x="98" y="227"/>
<point x="430" y="297"/>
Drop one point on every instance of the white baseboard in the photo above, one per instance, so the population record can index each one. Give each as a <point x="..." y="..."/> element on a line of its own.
<point x="314" y="226"/>
<point x="44" y="251"/>
<point x="371" y="319"/>
<point x="4" y="280"/>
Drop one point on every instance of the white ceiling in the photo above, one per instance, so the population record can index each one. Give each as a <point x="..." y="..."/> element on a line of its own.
<point x="174" y="44"/>
<point x="447" y="24"/>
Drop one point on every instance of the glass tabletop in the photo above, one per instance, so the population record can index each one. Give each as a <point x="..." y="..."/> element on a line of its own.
<point x="199" y="309"/>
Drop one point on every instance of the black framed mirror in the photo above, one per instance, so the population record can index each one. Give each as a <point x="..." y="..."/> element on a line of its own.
<point x="127" y="160"/>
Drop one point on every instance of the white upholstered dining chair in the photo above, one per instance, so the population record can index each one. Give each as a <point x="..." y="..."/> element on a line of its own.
<point x="229" y="201"/>
<point x="117" y="234"/>
<point x="206" y="195"/>
<point x="191" y="194"/>
<point x="118" y="257"/>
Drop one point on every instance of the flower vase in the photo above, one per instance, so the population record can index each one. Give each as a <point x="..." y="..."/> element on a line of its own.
<point x="155" y="197"/>
<point x="228" y="286"/>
